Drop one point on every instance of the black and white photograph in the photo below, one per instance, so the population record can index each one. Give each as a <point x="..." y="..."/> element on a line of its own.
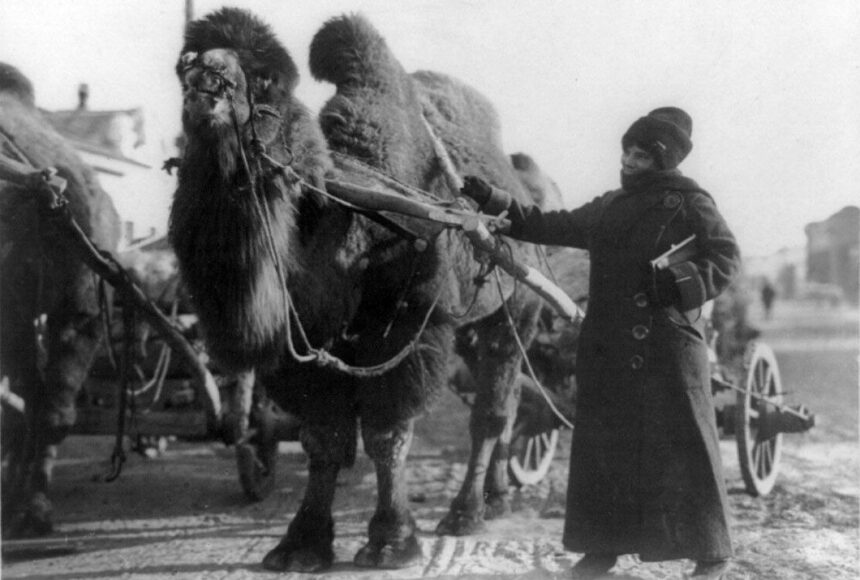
<point x="449" y="289"/>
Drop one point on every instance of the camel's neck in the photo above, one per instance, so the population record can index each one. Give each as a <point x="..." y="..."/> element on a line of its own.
<point x="226" y="238"/>
<point x="237" y="249"/>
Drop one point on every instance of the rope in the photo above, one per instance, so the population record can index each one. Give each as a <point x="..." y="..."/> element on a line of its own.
<point x="321" y="357"/>
<point x="118" y="455"/>
<point x="522" y="349"/>
<point x="162" y="365"/>
<point x="393" y="181"/>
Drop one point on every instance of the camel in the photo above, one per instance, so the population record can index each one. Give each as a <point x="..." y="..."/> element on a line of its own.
<point x="285" y="279"/>
<point x="42" y="280"/>
<point x="543" y="189"/>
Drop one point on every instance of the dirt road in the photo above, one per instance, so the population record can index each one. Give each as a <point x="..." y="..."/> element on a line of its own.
<point x="182" y="515"/>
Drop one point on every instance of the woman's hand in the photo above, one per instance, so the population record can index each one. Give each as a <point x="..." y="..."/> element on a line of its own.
<point x="477" y="189"/>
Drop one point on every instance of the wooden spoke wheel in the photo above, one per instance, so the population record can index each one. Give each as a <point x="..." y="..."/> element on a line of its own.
<point x="759" y="448"/>
<point x="534" y="440"/>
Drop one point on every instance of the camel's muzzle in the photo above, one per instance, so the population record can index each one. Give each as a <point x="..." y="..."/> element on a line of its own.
<point x="204" y="81"/>
<point x="208" y="86"/>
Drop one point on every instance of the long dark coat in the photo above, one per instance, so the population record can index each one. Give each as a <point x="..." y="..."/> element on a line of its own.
<point x="645" y="469"/>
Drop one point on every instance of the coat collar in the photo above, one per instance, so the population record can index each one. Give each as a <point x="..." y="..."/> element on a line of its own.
<point x="653" y="182"/>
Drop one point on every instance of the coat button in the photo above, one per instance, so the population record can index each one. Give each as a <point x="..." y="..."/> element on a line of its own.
<point x="640" y="332"/>
<point x="636" y="362"/>
<point x="641" y="300"/>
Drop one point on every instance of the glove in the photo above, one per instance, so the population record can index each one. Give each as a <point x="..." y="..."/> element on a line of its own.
<point x="477" y="189"/>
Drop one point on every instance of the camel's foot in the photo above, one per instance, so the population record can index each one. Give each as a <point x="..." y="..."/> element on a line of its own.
<point x="30" y="520"/>
<point x="306" y="547"/>
<point x="497" y="506"/>
<point x="461" y="523"/>
<point x="391" y="555"/>
<point x="288" y="556"/>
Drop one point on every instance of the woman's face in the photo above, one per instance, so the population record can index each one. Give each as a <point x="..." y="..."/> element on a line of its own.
<point x="635" y="160"/>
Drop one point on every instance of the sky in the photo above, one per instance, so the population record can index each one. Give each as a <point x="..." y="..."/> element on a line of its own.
<point x="773" y="86"/>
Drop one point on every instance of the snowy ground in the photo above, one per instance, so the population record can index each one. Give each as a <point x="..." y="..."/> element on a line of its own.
<point x="182" y="515"/>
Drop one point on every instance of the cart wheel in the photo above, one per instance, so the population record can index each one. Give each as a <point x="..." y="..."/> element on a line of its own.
<point x="534" y="440"/>
<point x="257" y="456"/>
<point x="758" y="453"/>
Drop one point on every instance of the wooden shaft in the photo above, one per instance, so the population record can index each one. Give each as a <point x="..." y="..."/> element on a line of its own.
<point x="377" y="200"/>
<point x="481" y="237"/>
<point x="116" y="276"/>
<point x="474" y="228"/>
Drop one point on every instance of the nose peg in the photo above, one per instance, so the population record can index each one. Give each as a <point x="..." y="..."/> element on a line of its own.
<point x="187" y="60"/>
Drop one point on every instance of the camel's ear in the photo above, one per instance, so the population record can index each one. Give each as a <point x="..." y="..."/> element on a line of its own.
<point x="13" y="81"/>
<point x="185" y="62"/>
<point x="187" y="59"/>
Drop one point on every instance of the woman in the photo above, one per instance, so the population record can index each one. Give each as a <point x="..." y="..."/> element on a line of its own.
<point x="646" y="476"/>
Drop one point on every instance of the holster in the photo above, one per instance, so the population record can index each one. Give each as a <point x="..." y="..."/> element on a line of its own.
<point x="690" y="286"/>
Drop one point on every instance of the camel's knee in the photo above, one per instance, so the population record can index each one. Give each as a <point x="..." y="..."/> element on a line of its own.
<point x="387" y="445"/>
<point x="72" y="348"/>
<point x="328" y="444"/>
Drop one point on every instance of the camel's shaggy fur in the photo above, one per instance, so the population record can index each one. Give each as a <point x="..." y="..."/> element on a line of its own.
<point x="360" y="290"/>
<point x="41" y="274"/>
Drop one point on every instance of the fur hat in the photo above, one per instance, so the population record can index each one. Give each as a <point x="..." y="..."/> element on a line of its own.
<point x="260" y="52"/>
<point x="665" y="133"/>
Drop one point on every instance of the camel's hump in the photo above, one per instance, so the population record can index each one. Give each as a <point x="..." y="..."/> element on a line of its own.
<point x="349" y="49"/>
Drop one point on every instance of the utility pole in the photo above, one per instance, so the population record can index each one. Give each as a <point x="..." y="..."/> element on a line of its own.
<point x="189" y="11"/>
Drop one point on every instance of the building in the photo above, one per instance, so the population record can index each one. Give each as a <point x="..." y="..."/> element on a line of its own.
<point x="833" y="252"/>
<point x="114" y="144"/>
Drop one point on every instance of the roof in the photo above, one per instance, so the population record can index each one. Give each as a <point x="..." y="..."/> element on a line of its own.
<point x="110" y="133"/>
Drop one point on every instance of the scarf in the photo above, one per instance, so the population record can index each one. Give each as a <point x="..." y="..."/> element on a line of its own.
<point x="670" y="179"/>
<point x="637" y="195"/>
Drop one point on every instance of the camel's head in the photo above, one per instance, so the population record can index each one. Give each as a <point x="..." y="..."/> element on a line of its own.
<point x="231" y="60"/>
<point x="214" y="90"/>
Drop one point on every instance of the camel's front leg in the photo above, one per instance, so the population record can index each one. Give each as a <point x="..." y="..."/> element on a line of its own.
<point x="492" y="418"/>
<point x="495" y="368"/>
<point x="307" y="545"/>
<point x="73" y="339"/>
<point x="496" y="496"/>
<point x="392" y="542"/>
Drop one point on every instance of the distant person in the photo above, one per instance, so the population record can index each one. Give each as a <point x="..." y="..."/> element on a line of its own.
<point x="646" y="476"/>
<point x="768" y="295"/>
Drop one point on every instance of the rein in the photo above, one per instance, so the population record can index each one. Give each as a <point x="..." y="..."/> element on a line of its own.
<point x="321" y="357"/>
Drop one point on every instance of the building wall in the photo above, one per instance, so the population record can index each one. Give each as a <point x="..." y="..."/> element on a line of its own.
<point x="142" y="195"/>
<point x="833" y="252"/>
